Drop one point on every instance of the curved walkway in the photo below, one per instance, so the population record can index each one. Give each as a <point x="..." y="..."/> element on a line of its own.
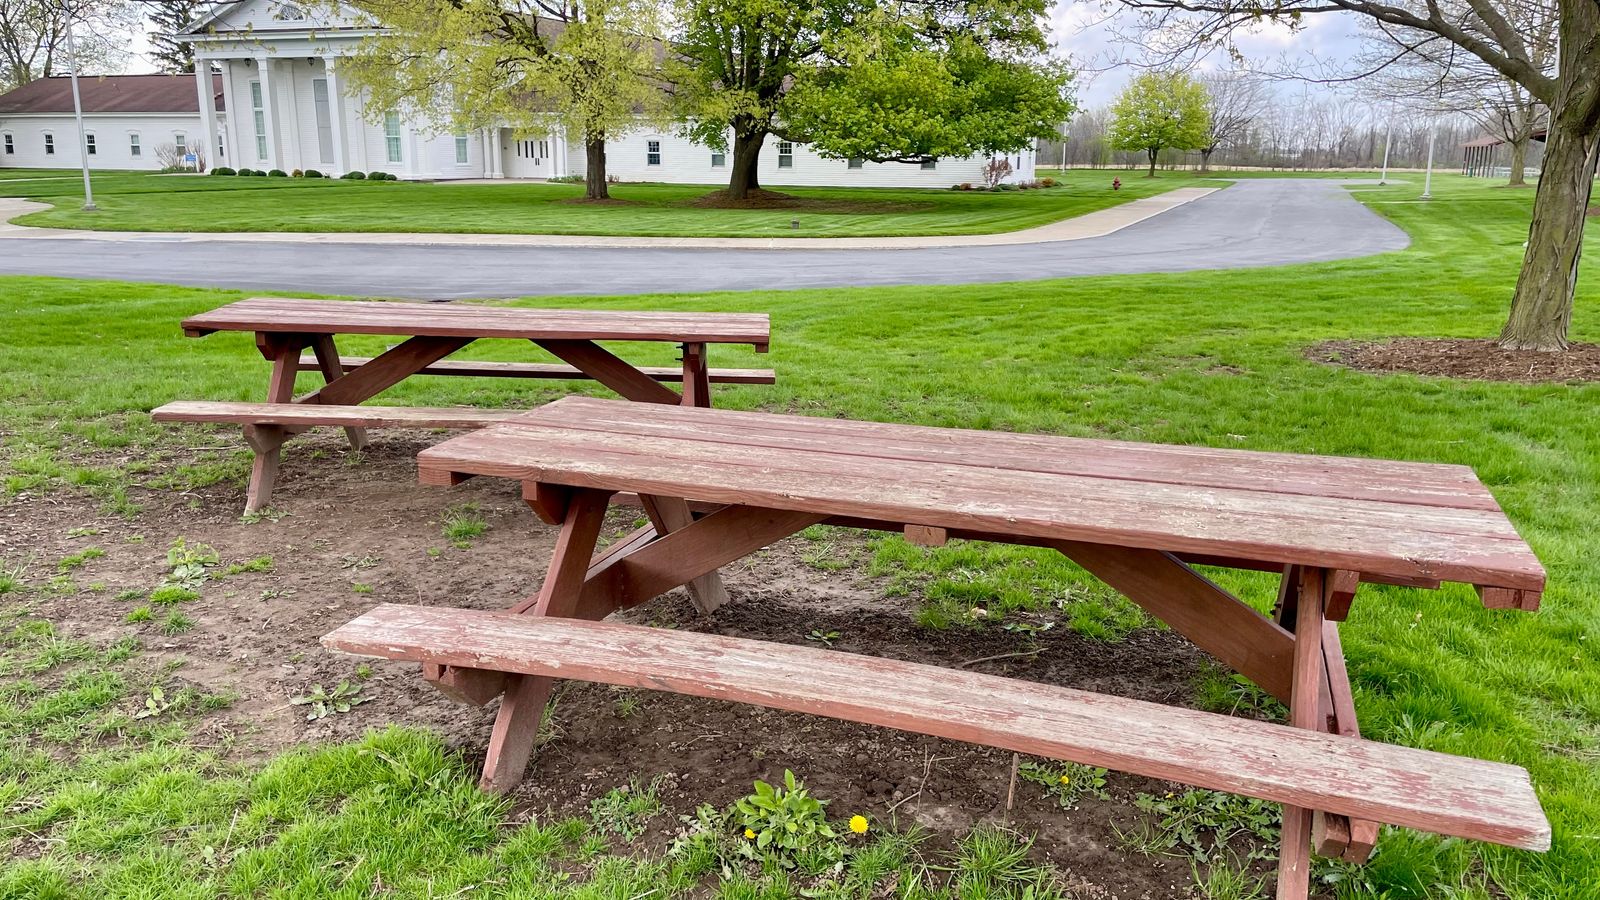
<point x="1251" y="223"/>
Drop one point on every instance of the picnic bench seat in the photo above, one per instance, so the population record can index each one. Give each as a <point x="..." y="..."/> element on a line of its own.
<point x="1437" y="792"/>
<point x="307" y="415"/>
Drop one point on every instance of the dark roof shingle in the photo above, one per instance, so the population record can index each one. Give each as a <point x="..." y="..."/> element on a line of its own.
<point x="110" y="94"/>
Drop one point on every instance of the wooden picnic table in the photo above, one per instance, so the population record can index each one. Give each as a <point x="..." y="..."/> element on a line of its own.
<point x="1137" y="516"/>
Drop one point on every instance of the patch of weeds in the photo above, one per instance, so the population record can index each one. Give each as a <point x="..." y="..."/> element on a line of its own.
<point x="1225" y="881"/>
<point x="169" y="594"/>
<point x="1219" y="690"/>
<point x="84" y="531"/>
<point x="626" y="810"/>
<point x="73" y="561"/>
<point x="993" y="861"/>
<point x="122" y="650"/>
<point x="463" y="524"/>
<point x="259" y="564"/>
<point x="188" y="564"/>
<point x="12" y="578"/>
<point x="139" y="614"/>
<point x="360" y="588"/>
<point x="61" y="584"/>
<point x="322" y="703"/>
<point x="364" y="671"/>
<point x="176" y="623"/>
<point x="1201" y="824"/>
<point x="155" y="704"/>
<point x="130" y="595"/>
<point x="825" y="638"/>
<point x="116" y="503"/>
<point x="627" y="705"/>
<point x="1068" y="783"/>
<point x="787" y="822"/>
<point x="366" y="561"/>
<point x="267" y="514"/>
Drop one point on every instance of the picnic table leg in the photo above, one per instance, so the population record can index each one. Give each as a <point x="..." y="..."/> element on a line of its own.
<point x="668" y="514"/>
<point x="696" y="377"/>
<point x="328" y="361"/>
<point x="267" y="440"/>
<point x="516" y="726"/>
<point x="1294" y="856"/>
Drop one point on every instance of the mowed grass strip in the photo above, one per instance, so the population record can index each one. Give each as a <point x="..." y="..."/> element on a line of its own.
<point x="1200" y="358"/>
<point x="136" y="202"/>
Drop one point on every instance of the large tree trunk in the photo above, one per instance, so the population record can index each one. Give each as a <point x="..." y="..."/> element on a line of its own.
<point x="1541" y="310"/>
<point x="1519" y="161"/>
<point x="1205" y="159"/>
<point x="1152" y="151"/>
<point x="594" y="179"/>
<point x="742" y="179"/>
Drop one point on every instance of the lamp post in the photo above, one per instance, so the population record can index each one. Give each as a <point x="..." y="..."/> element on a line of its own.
<point x="77" y="112"/>
<point x="1427" y="180"/>
<point x="1388" y="131"/>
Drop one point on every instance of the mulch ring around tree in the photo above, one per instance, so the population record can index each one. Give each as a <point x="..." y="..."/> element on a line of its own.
<point x="764" y="199"/>
<point x="1462" y="358"/>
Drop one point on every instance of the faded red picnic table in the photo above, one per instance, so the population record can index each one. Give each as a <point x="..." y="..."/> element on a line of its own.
<point x="1137" y="516"/>
<point x="431" y="332"/>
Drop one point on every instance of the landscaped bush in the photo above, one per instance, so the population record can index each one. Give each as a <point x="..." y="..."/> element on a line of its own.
<point x="568" y="179"/>
<point x="1048" y="182"/>
<point x="313" y="173"/>
<point x="277" y="173"/>
<point x="297" y="174"/>
<point x="354" y="176"/>
<point x="378" y="176"/>
<point x="223" y="170"/>
<point x="250" y="172"/>
<point x="1005" y="186"/>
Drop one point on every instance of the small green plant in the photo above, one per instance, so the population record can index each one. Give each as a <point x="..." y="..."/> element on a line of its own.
<point x="188" y="563"/>
<point x="627" y="706"/>
<point x="462" y="524"/>
<point x="323" y="703"/>
<point x="265" y="514"/>
<point x="176" y="623"/>
<point x="78" y="560"/>
<point x="1068" y="783"/>
<point x="154" y="705"/>
<point x="826" y="638"/>
<point x="259" y="564"/>
<point x="992" y="861"/>
<point x="130" y="595"/>
<point x="169" y="594"/>
<point x="1200" y="824"/>
<point x="140" y="614"/>
<point x="364" y="671"/>
<point x="84" y="531"/>
<point x="1224" y="881"/>
<point x="626" y="810"/>
<point x="360" y="588"/>
<point x="786" y="821"/>
<point x="365" y="561"/>
<point x="11" y="578"/>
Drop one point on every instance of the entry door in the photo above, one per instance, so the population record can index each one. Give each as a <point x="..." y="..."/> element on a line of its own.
<point x="525" y="157"/>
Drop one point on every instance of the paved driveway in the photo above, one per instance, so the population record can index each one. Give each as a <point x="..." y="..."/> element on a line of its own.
<point x="1256" y="222"/>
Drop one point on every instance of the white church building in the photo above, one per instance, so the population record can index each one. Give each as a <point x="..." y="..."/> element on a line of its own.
<point x="277" y="102"/>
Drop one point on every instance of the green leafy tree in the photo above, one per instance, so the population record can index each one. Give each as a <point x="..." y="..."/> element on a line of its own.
<point x="1159" y="110"/>
<point x="588" y="66"/>
<point x="858" y="78"/>
<point x="171" y="17"/>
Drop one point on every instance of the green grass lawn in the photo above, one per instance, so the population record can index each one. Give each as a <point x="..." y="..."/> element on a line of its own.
<point x="133" y="202"/>
<point x="1202" y="358"/>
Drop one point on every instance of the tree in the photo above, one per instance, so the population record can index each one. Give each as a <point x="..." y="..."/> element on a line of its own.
<point x="1234" y="100"/>
<point x="589" y="66"/>
<point x="1159" y="110"/>
<point x="864" y="79"/>
<point x="33" y="37"/>
<point x="1541" y="308"/>
<point x="169" y="18"/>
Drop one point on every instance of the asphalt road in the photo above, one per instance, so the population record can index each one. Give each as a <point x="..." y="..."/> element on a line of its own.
<point x="1257" y="222"/>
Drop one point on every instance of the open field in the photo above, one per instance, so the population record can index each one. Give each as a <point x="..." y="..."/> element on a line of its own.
<point x="219" y="787"/>
<point x="131" y="202"/>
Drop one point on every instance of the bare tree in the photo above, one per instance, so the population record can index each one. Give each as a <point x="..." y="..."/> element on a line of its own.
<point x="33" y="36"/>
<point x="1541" y="308"/>
<point x="1236" y="99"/>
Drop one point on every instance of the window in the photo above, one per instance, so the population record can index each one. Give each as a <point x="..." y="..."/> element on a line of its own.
<point x="258" y="112"/>
<point x="49" y="144"/>
<point x="652" y="153"/>
<point x="180" y="141"/>
<point x="11" y="144"/>
<point x="718" y="160"/>
<point x="134" y="150"/>
<point x="391" y="135"/>
<point x="544" y="149"/>
<point x="461" y="149"/>
<point x="88" y="144"/>
<point x="785" y="155"/>
<point x="930" y="164"/>
<point x="856" y="162"/>
<point x="324" y="114"/>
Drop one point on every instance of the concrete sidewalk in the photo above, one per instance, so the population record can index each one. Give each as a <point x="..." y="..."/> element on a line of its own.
<point x="1089" y="225"/>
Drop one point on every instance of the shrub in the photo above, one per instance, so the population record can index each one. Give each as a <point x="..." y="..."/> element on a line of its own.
<point x="378" y="176"/>
<point x="1048" y="182"/>
<point x="251" y="172"/>
<point x="297" y="174"/>
<point x="354" y="176"/>
<point x="1005" y="186"/>
<point x="277" y="173"/>
<point x="223" y="170"/>
<point x="996" y="171"/>
<point x="313" y="173"/>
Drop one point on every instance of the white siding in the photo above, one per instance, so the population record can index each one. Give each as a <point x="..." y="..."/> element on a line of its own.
<point x="112" y="144"/>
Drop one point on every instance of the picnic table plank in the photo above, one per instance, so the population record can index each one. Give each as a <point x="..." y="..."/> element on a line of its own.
<point x="553" y="371"/>
<point x="302" y="316"/>
<point x="1384" y="537"/>
<point x="1416" y="788"/>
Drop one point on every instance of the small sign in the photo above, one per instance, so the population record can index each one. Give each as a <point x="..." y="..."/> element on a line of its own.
<point x="190" y="159"/>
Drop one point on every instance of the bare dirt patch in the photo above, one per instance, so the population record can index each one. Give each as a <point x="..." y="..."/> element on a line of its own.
<point x="359" y="531"/>
<point x="763" y="199"/>
<point x="1461" y="358"/>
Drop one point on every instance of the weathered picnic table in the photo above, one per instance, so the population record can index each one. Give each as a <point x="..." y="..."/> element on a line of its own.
<point x="286" y="327"/>
<point x="1137" y="516"/>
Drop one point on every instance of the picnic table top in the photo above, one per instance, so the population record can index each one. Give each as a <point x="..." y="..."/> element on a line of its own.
<point x="291" y="315"/>
<point x="1387" y="518"/>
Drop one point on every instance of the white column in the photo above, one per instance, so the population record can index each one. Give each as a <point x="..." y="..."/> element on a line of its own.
<point x="336" y="114"/>
<point x="293" y="152"/>
<point x="269" y="108"/>
<point x="208" y="109"/>
<point x="411" y="163"/>
<point x="499" y="170"/>
<point x="235" y="116"/>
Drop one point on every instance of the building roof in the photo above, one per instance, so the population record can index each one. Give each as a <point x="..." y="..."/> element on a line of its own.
<point x="110" y="94"/>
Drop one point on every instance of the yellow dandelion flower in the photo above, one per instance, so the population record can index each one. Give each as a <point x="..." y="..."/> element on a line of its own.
<point x="749" y="835"/>
<point x="858" y="824"/>
<point x="1066" y="779"/>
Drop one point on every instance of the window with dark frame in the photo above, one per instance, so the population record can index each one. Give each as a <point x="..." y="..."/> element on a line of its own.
<point x="718" y="160"/>
<point x="11" y="145"/>
<point x="856" y="162"/>
<point x="652" y="153"/>
<point x="88" y="144"/>
<point x="49" y="144"/>
<point x="134" y="150"/>
<point x="785" y="155"/>
<point x="930" y="164"/>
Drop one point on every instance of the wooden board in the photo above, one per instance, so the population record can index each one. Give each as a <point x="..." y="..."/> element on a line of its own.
<point x="1416" y="788"/>
<point x="973" y="486"/>
<point x="328" y="414"/>
<point x="295" y="316"/>
<point x="557" y="371"/>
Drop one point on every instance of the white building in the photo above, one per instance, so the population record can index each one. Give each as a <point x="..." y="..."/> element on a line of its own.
<point x="278" y="76"/>
<point x="130" y="121"/>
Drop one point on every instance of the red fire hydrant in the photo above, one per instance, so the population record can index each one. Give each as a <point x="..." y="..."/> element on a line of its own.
<point x="1116" y="184"/>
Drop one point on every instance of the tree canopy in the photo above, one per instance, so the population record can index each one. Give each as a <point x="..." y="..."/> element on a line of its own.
<point x="1159" y="110"/>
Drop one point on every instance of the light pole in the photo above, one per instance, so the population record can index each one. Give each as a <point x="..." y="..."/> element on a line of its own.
<point x="1427" y="180"/>
<point x="77" y="112"/>
<point x="1388" y="130"/>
